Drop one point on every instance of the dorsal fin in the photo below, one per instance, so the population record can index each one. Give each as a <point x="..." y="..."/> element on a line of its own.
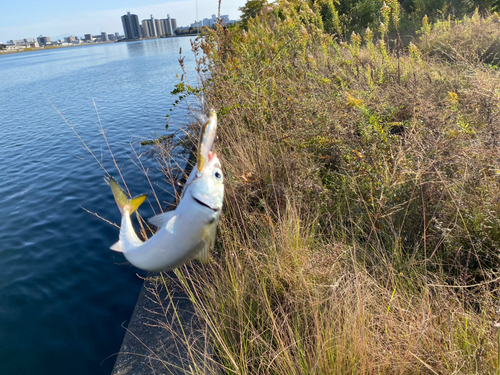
<point x="161" y="219"/>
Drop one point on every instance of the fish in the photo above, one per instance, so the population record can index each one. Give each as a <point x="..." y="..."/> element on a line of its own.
<point x="186" y="233"/>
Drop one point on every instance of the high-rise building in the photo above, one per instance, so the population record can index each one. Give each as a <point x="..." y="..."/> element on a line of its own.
<point x="149" y="27"/>
<point x="44" y="40"/>
<point x="71" y="39"/>
<point x="145" y="28"/>
<point x="104" y="36"/>
<point x="164" y="25"/>
<point x="152" y="27"/>
<point x="224" y="20"/>
<point x="159" y="28"/>
<point x="88" y="38"/>
<point x="168" y="25"/>
<point x="131" y="26"/>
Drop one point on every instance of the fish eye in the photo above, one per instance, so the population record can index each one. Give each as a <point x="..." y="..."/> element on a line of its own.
<point x="218" y="174"/>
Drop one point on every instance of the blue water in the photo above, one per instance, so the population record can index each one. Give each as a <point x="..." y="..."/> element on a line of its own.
<point x="63" y="294"/>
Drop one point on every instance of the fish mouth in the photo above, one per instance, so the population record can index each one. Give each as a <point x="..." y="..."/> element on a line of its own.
<point x="205" y="205"/>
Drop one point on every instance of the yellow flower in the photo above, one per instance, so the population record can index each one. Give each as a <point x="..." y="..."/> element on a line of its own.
<point x="452" y="97"/>
<point x="351" y="101"/>
<point x="358" y="154"/>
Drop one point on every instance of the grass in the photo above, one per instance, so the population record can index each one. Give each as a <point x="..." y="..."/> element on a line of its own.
<point x="360" y="232"/>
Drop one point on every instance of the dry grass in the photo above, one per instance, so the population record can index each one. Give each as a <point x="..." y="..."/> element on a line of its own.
<point x="473" y="39"/>
<point x="360" y="232"/>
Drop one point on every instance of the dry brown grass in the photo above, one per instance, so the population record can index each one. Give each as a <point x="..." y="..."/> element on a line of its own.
<point x="360" y="232"/>
<point x="472" y="39"/>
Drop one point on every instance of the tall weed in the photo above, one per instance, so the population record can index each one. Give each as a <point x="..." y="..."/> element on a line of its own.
<point x="360" y="230"/>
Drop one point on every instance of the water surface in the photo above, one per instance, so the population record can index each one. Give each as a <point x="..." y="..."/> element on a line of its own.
<point x="63" y="294"/>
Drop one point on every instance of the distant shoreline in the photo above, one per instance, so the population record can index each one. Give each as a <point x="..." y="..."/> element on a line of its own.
<point x="3" y="52"/>
<point x="161" y="37"/>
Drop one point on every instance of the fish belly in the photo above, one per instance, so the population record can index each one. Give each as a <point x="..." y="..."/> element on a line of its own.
<point x="167" y="250"/>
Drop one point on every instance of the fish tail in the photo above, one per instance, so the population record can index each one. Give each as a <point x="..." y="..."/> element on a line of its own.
<point x="127" y="206"/>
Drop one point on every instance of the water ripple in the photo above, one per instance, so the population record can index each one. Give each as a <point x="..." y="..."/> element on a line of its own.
<point x="63" y="293"/>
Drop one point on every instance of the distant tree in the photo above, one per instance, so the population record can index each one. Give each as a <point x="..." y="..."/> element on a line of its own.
<point x="2" y="47"/>
<point x="439" y="8"/>
<point x="329" y="15"/>
<point x="250" y="10"/>
<point x="357" y="15"/>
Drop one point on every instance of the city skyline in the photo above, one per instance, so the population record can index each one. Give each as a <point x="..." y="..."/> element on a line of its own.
<point x="50" y="19"/>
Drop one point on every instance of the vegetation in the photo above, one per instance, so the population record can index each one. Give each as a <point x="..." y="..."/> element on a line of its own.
<point x="467" y="41"/>
<point x="361" y="227"/>
<point x="251" y="9"/>
<point x="191" y="30"/>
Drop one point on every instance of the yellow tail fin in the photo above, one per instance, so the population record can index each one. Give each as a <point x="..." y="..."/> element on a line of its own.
<point x="126" y="205"/>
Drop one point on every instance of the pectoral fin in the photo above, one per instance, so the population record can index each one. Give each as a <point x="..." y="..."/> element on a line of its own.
<point x="161" y="219"/>
<point x="204" y="255"/>
<point x="209" y="239"/>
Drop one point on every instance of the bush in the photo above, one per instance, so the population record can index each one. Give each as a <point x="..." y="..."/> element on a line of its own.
<point x="361" y="225"/>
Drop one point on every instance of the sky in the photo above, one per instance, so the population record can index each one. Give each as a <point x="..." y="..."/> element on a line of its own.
<point x="57" y="18"/>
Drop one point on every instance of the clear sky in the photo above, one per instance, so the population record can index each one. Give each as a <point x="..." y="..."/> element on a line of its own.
<point x="56" y="18"/>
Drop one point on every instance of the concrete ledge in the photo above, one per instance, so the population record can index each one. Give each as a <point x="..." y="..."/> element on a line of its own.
<point x="163" y="336"/>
